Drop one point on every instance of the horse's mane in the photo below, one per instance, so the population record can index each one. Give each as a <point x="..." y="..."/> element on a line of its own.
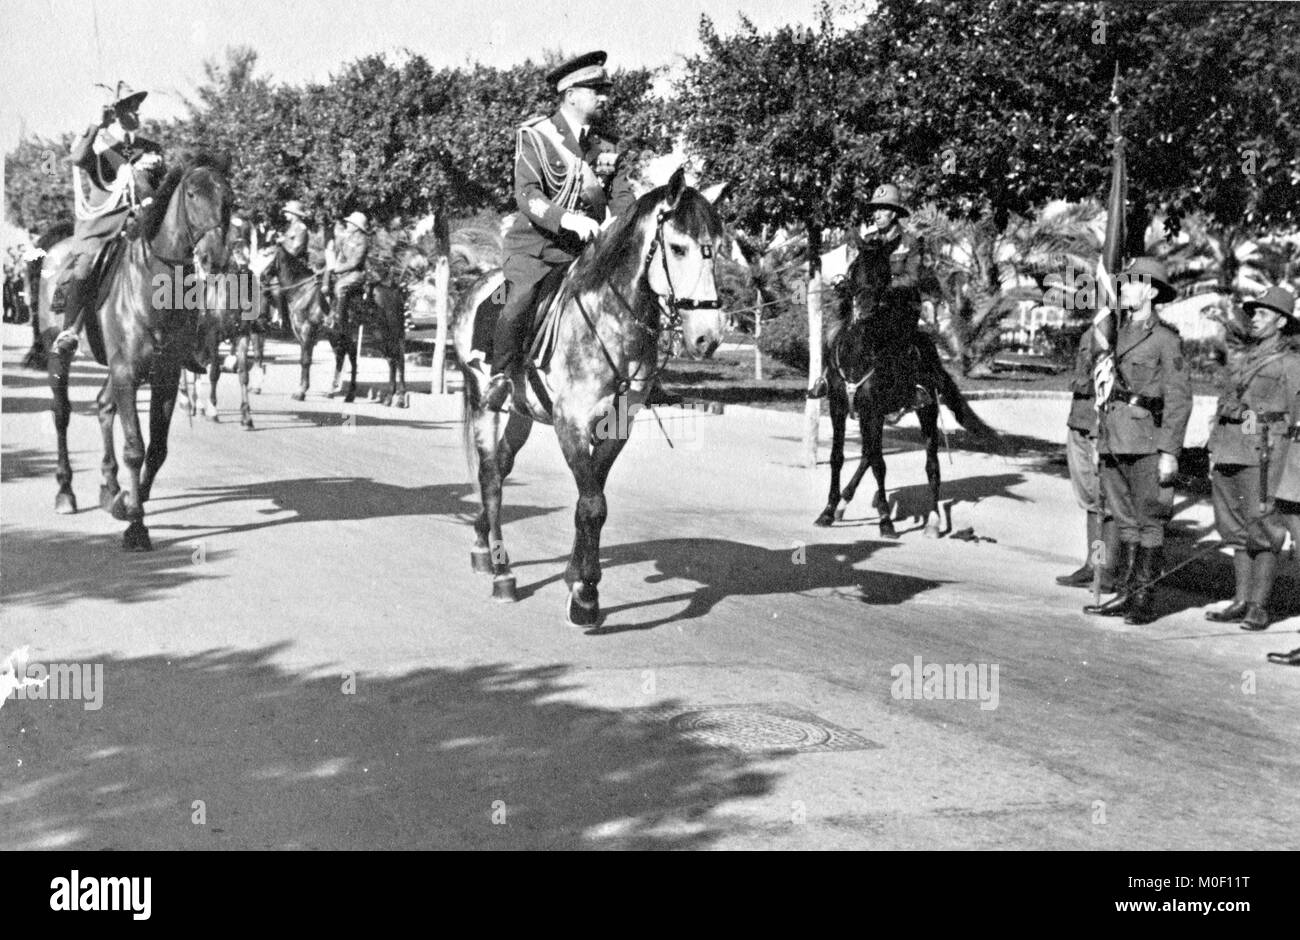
<point x="151" y="219"/>
<point x="617" y="247"/>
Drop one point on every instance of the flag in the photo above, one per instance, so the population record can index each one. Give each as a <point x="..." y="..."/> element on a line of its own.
<point x="1105" y="321"/>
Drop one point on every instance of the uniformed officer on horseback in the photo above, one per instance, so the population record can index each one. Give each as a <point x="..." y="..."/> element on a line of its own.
<point x="567" y="176"/>
<point x="349" y="268"/>
<point x="1141" y="429"/>
<point x="293" y="242"/>
<point x="1249" y="447"/>
<point x="886" y="234"/>
<point x="114" y="171"/>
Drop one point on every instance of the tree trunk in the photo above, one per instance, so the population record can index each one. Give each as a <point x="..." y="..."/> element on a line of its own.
<point x="813" y="408"/>
<point x="441" y="296"/>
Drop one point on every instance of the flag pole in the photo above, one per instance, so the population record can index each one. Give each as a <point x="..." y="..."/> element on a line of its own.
<point x="1105" y="324"/>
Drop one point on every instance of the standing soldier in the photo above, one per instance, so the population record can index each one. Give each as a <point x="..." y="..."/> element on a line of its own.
<point x="1081" y="457"/>
<point x="1142" y="435"/>
<point x="566" y="177"/>
<point x="119" y="170"/>
<point x="350" y="267"/>
<point x="1286" y="493"/>
<point x="1249" y="448"/>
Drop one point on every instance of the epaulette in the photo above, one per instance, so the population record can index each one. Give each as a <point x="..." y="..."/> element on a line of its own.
<point x="534" y="121"/>
<point x="1169" y="326"/>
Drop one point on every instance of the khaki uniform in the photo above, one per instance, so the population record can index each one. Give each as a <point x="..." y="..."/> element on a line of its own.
<point x="1256" y="411"/>
<point x="1146" y="417"/>
<point x="1081" y="442"/>
<point x="349" y="272"/>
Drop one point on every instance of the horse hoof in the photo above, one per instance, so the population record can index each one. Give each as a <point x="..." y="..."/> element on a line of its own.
<point x="117" y="508"/>
<point x="349" y="398"/>
<point x="932" y="529"/>
<point x="480" y="559"/>
<point x="214" y="417"/>
<point x="371" y="394"/>
<point x="136" y="538"/>
<point x="839" y="513"/>
<point x="582" y="615"/>
<point x="403" y="400"/>
<point x="824" y="520"/>
<point x="106" y="496"/>
<point x="887" y="529"/>
<point x="65" y="504"/>
<point x="299" y="396"/>
<point x="503" y="588"/>
<point x="246" y="424"/>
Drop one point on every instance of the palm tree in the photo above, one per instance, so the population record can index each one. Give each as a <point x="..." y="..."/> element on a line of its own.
<point x="983" y="275"/>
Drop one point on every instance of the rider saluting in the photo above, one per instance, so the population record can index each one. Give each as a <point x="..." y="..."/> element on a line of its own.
<point x="120" y="170"/>
<point x="566" y="177"/>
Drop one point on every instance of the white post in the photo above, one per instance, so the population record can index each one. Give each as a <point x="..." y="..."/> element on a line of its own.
<point x="758" y="336"/>
<point x="813" y="408"/>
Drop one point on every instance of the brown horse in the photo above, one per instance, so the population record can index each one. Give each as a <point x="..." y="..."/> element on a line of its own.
<point x="875" y="370"/>
<point x="146" y="327"/>
<point x="654" y="264"/>
<point x="383" y="310"/>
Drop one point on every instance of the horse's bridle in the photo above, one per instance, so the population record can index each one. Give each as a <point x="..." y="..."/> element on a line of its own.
<point x="188" y="230"/>
<point x="671" y="305"/>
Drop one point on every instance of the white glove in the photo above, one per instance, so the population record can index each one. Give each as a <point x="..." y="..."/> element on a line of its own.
<point x="1168" y="467"/>
<point x="580" y="225"/>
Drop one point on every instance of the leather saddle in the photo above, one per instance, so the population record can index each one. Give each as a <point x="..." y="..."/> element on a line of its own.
<point x="541" y="332"/>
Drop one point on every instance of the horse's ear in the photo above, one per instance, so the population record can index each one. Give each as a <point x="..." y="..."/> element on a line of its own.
<point x="676" y="186"/>
<point x="716" y="191"/>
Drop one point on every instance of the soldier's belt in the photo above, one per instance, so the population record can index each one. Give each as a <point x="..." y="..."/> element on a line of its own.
<point x="1149" y="402"/>
<point x="1267" y="417"/>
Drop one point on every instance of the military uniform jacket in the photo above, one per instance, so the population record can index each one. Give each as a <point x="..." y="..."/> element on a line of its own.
<point x="553" y="175"/>
<point x="350" y="258"/>
<point x="1083" y="410"/>
<point x="99" y="170"/>
<point x="1149" y="363"/>
<point x="294" y="240"/>
<point x="1256" y="402"/>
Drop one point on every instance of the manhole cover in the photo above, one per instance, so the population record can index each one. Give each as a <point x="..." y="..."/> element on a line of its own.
<point x="763" y="728"/>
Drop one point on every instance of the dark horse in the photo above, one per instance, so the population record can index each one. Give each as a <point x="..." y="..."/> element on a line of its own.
<point x="654" y="264"/>
<point x="383" y="309"/>
<point x="144" y="329"/>
<point x="875" y="370"/>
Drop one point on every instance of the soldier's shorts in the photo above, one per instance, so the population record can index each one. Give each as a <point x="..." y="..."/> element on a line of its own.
<point x="1080" y="457"/>
<point x="1133" y="499"/>
<point x="1237" y="515"/>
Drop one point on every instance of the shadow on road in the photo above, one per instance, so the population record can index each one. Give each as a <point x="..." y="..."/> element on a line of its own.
<point x="726" y="569"/>
<point x="484" y="757"/>
<point x="49" y="569"/>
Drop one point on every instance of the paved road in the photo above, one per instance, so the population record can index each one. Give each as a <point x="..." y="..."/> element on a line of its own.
<point x="306" y="660"/>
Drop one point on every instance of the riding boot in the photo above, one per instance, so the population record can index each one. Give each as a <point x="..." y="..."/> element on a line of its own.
<point x="1082" y="577"/>
<point x="1110" y="539"/>
<point x="1125" y="575"/>
<point x="1142" y="609"/>
<point x="820" y="388"/>
<point x="1263" y="573"/>
<point x="1235" y="611"/>
<point x="74" y="302"/>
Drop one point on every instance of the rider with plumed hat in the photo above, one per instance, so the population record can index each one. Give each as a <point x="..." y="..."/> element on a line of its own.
<point x="114" y="171"/>
<point x="568" y="178"/>
<point x="1141" y="429"/>
<point x="1255" y="475"/>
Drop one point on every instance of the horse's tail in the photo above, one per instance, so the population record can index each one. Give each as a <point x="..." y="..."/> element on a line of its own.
<point x="956" y="402"/>
<point x="469" y="412"/>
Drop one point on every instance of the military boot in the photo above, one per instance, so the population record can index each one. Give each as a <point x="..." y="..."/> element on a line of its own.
<point x="1142" y="609"/>
<point x="1125" y="583"/>
<point x="1082" y="577"/>
<point x="1235" y="611"/>
<point x="1262" y="574"/>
